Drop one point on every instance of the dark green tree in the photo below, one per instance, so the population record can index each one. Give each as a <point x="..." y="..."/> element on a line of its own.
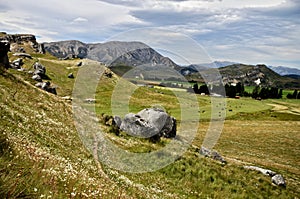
<point x="204" y="89"/>
<point x="279" y="96"/>
<point x="195" y="88"/>
<point x="264" y="93"/>
<point x="240" y="88"/>
<point x="255" y="92"/>
<point x="295" y="93"/>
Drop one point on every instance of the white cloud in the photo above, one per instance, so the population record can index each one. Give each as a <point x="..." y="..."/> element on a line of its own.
<point x="80" y="20"/>
<point x="244" y="31"/>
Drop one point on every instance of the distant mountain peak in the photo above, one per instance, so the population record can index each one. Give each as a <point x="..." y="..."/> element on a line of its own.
<point x="112" y="53"/>
<point x="282" y="70"/>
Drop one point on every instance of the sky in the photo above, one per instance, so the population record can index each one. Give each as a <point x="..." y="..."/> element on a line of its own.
<point x="248" y="31"/>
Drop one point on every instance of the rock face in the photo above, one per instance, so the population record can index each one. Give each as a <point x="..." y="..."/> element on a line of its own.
<point x="111" y="53"/>
<point x="4" y="48"/>
<point x="16" y="39"/>
<point x="148" y="123"/>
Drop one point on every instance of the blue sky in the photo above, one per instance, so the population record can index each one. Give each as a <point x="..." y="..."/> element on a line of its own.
<point x="248" y="31"/>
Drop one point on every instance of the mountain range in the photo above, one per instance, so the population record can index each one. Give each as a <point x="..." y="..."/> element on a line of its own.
<point x="110" y="53"/>
<point x="121" y="57"/>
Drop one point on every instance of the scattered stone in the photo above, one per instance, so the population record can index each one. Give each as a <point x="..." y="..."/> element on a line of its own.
<point x="205" y="152"/>
<point x="71" y="76"/>
<point x="39" y="84"/>
<point x="148" y="123"/>
<point x="216" y="156"/>
<point x="108" y="74"/>
<point x="278" y="180"/>
<point x="37" y="78"/>
<point x="79" y="63"/>
<point x="46" y="87"/>
<point x="212" y="154"/>
<point x="90" y="100"/>
<point x="25" y="55"/>
<point x="17" y="64"/>
<point x="266" y="172"/>
<point x="67" y="98"/>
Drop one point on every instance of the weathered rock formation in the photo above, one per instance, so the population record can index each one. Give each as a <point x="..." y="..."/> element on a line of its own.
<point x="148" y="123"/>
<point x="111" y="53"/>
<point x="4" y="48"/>
<point x="16" y="40"/>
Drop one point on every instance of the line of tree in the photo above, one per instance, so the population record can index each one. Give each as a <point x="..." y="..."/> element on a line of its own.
<point x="200" y="89"/>
<point x="266" y="93"/>
<point x="295" y="95"/>
<point x="230" y="90"/>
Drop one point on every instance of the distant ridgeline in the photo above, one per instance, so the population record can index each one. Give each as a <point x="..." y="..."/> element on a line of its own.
<point x="122" y="57"/>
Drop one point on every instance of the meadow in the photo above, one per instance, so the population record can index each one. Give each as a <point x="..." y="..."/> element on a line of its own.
<point x="43" y="156"/>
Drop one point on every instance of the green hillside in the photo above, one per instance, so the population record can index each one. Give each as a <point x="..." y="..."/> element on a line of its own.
<point x="42" y="155"/>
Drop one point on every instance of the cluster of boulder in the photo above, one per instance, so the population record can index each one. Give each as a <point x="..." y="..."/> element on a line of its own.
<point x="38" y="75"/>
<point x="39" y="72"/>
<point x="17" y="39"/>
<point x="152" y="123"/>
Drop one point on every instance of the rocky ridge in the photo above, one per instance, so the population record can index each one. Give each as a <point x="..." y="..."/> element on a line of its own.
<point x="110" y="53"/>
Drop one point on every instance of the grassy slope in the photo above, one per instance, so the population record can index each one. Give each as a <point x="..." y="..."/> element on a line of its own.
<point x="38" y="146"/>
<point x="41" y="153"/>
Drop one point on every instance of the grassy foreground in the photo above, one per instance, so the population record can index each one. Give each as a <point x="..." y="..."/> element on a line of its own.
<point x="42" y="155"/>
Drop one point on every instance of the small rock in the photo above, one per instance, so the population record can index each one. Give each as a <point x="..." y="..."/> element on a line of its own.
<point x="266" y="172"/>
<point x="212" y="154"/>
<point x="278" y="180"/>
<point x="71" y="76"/>
<point x="79" y="63"/>
<point x="90" y="100"/>
<point x="39" y="84"/>
<point x="17" y="63"/>
<point x="216" y="156"/>
<point x="37" y="78"/>
<point x="205" y="152"/>
<point x="67" y="98"/>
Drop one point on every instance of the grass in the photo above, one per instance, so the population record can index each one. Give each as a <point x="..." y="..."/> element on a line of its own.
<point x="42" y="154"/>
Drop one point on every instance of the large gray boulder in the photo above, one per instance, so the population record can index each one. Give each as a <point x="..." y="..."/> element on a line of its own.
<point x="39" y="69"/>
<point x="148" y="123"/>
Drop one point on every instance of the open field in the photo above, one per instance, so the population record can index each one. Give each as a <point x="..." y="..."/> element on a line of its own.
<point x="42" y="154"/>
